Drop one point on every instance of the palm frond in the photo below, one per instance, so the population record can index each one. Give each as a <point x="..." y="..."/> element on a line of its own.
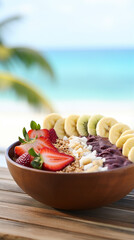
<point x="30" y="56"/>
<point x="24" y="90"/>
<point x="9" y="20"/>
<point x="5" y="53"/>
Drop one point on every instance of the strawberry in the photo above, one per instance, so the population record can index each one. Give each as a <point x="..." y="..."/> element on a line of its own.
<point x="36" y="131"/>
<point x="36" y="143"/>
<point x="52" y="135"/>
<point x="49" y="159"/>
<point x="24" y="160"/>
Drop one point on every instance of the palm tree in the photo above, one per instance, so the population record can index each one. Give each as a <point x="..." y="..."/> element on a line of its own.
<point x="23" y="89"/>
<point x="28" y="57"/>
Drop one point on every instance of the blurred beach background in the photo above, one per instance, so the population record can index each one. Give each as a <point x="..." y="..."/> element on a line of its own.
<point x="79" y="55"/>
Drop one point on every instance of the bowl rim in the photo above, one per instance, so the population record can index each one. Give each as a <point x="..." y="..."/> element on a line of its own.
<point x="61" y="173"/>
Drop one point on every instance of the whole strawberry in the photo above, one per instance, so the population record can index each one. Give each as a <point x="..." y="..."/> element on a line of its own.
<point x="24" y="159"/>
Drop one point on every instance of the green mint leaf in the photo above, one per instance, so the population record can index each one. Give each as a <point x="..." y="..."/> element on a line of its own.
<point x="21" y="140"/>
<point x="25" y="134"/>
<point x="32" y="152"/>
<point x="37" y="163"/>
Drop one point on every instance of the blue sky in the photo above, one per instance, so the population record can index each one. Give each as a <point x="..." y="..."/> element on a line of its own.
<point x="50" y="24"/>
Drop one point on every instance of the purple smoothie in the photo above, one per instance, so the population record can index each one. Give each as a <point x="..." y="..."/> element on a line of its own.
<point x="105" y="149"/>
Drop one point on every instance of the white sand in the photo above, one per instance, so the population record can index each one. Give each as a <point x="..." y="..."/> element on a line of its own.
<point x="14" y="116"/>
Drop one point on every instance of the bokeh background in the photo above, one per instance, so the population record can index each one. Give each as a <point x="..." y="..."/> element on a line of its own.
<point x="67" y="57"/>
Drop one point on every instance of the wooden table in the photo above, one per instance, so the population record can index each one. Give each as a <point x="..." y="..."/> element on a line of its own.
<point x="21" y="217"/>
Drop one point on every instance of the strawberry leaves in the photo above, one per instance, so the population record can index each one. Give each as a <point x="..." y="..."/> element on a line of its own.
<point x="34" y="133"/>
<point x="25" y="134"/>
<point x="21" y="140"/>
<point x="35" y="126"/>
<point x="37" y="162"/>
<point x="33" y="153"/>
<point x="26" y="137"/>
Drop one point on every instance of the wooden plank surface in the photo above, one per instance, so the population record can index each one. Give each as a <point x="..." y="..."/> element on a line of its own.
<point x="21" y="217"/>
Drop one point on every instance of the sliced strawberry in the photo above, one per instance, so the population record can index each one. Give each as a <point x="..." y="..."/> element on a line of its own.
<point x="38" y="133"/>
<point x="48" y="144"/>
<point x="53" y="160"/>
<point x="36" y="144"/>
<point x="53" y="137"/>
<point x="50" y="159"/>
<point x="24" y="160"/>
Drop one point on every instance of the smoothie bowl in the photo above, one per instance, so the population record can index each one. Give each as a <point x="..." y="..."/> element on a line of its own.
<point x="72" y="163"/>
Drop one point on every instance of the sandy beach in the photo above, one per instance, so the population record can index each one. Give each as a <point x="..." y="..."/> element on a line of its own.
<point x="15" y="116"/>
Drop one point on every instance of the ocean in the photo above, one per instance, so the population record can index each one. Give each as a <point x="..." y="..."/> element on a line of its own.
<point x="82" y="74"/>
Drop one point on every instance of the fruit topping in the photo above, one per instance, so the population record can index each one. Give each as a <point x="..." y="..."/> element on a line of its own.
<point x="36" y="131"/>
<point x="70" y="125"/>
<point x="50" y="120"/>
<point x="76" y="144"/>
<point x="92" y="124"/>
<point x="116" y="131"/>
<point x="59" y="128"/>
<point x="24" y="159"/>
<point x="52" y="135"/>
<point x="49" y="159"/>
<point x="82" y="125"/>
<point x="120" y="142"/>
<point x="104" y="126"/>
<point x="37" y="143"/>
<point x="131" y="155"/>
<point x="130" y="131"/>
<point x="127" y="146"/>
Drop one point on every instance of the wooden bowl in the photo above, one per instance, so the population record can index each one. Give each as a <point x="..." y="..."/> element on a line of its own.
<point x="71" y="191"/>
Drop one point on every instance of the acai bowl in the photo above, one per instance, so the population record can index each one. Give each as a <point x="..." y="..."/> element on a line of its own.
<point x="74" y="163"/>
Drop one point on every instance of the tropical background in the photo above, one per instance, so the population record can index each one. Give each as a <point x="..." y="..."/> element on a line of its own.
<point x="64" y="56"/>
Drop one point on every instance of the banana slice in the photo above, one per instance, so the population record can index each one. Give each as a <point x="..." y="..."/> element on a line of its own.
<point x="131" y="155"/>
<point x="59" y="128"/>
<point x="116" y="131"/>
<point x="92" y="123"/>
<point x="50" y="120"/>
<point x="70" y="125"/>
<point x="82" y="125"/>
<point x="122" y="140"/>
<point x="104" y="126"/>
<point x="127" y="146"/>
<point x="127" y="132"/>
